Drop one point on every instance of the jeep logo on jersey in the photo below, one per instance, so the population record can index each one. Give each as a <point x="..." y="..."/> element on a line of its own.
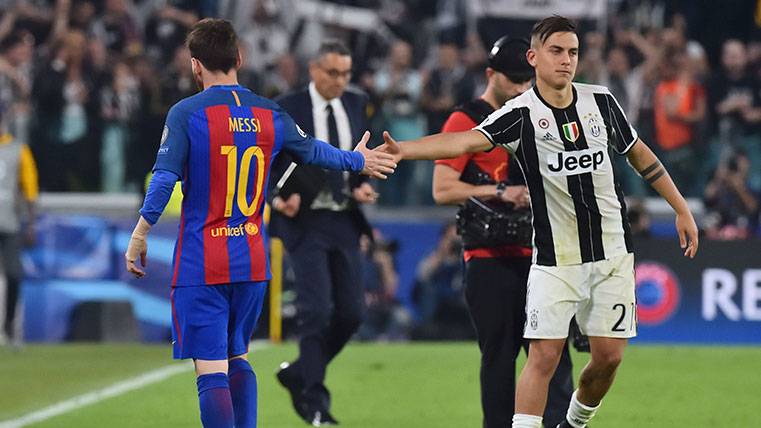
<point x="576" y="162"/>
<point x="571" y="131"/>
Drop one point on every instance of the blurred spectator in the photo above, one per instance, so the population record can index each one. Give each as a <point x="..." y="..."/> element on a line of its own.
<point x="116" y="28"/>
<point x="166" y="28"/>
<point x="447" y="85"/>
<point x="16" y="52"/>
<point x="285" y="78"/>
<point x="735" y="102"/>
<point x="177" y="81"/>
<point x="646" y="74"/>
<point x="627" y="86"/>
<point x="639" y="218"/>
<point x="149" y="120"/>
<point x="118" y="102"/>
<point x="451" y="21"/>
<point x="266" y="36"/>
<point x="83" y="16"/>
<point x="397" y="87"/>
<point x="679" y="105"/>
<point x="438" y="292"/>
<point x="65" y="96"/>
<point x="18" y="195"/>
<point x="591" y="66"/>
<point x="733" y="207"/>
<point x="385" y="317"/>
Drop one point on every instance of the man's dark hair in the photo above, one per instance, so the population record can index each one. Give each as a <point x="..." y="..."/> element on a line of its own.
<point x="214" y="42"/>
<point x="11" y="41"/>
<point x="548" y="26"/>
<point x="332" y="46"/>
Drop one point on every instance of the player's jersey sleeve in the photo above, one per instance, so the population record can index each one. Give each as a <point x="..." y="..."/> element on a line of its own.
<point x="295" y="141"/>
<point x="503" y="127"/>
<point x="457" y="122"/>
<point x="621" y="135"/>
<point x="175" y="142"/>
<point x="306" y="149"/>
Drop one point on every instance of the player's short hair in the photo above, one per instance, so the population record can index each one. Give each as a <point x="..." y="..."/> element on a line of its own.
<point x="332" y="46"/>
<point x="548" y="26"/>
<point x="214" y="42"/>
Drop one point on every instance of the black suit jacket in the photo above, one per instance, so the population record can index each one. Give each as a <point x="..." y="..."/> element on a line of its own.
<point x="298" y="104"/>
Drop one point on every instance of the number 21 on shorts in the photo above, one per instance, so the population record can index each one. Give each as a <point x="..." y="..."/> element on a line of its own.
<point x="620" y="325"/>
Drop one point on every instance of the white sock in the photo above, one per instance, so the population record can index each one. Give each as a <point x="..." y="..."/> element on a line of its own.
<point x="579" y="414"/>
<point x="526" y="421"/>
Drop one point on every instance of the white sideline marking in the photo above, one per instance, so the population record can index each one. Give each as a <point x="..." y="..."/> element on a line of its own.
<point x="96" y="396"/>
<point x="110" y="391"/>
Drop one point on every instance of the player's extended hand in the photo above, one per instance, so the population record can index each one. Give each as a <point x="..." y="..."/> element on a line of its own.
<point x="688" y="234"/>
<point x="365" y="194"/>
<point x="138" y="247"/>
<point x="288" y="207"/>
<point x="391" y="146"/>
<point x="377" y="163"/>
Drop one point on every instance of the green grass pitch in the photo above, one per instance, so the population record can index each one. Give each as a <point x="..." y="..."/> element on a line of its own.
<point x="382" y="385"/>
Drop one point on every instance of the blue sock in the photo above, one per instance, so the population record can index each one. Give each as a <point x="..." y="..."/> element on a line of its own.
<point x="214" y="399"/>
<point x="243" y="391"/>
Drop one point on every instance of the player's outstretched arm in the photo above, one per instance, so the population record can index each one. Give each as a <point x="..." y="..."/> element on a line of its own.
<point x="438" y="146"/>
<point x="650" y="168"/>
<point x="138" y="247"/>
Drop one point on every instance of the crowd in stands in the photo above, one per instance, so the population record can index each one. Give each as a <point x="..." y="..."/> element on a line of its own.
<point x="87" y="83"/>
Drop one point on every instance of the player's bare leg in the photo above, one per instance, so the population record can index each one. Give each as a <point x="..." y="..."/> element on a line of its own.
<point x="531" y="391"/>
<point x="598" y="375"/>
<point x="210" y="366"/>
<point x="595" y="379"/>
<point x="214" y="396"/>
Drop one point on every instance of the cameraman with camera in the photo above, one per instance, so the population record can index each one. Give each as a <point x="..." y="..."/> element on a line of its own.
<point x="495" y="224"/>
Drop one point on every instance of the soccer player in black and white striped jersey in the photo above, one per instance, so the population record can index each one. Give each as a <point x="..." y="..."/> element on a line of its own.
<point x="563" y="135"/>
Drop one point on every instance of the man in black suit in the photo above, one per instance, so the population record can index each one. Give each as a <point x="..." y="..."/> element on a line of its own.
<point x="316" y="214"/>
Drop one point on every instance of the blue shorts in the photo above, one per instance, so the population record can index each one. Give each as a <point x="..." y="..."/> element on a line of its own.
<point x="215" y="322"/>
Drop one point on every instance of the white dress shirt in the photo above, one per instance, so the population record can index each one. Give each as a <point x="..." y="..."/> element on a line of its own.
<point x="324" y="199"/>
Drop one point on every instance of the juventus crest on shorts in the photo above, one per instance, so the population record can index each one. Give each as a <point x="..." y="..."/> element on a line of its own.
<point x="565" y="155"/>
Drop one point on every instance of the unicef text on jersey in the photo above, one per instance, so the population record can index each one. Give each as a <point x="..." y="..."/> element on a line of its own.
<point x="575" y="162"/>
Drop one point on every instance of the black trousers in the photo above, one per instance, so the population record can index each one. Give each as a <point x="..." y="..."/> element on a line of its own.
<point x="496" y="296"/>
<point x="10" y="258"/>
<point x="330" y="299"/>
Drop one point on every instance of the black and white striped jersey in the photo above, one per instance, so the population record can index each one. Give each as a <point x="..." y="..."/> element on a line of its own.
<point x="565" y="154"/>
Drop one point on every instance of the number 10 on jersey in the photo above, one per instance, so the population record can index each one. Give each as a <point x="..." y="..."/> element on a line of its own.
<point x="242" y="179"/>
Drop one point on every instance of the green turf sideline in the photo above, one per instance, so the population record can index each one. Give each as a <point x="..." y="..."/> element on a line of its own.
<point x="419" y="385"/>
<point x="105" y="393"/>
<point x="93" y="397"/>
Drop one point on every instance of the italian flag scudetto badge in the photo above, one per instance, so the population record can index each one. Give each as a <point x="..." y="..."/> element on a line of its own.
<point x="571" y="131"/>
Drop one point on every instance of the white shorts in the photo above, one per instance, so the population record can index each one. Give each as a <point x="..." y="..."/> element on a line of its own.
<point x="600" y="294"/>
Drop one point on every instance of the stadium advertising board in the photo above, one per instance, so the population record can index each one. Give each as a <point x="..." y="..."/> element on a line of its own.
<point x="715" y="298"/>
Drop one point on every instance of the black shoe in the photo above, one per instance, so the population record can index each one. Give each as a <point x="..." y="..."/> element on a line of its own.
<point x="328" y="419"/>
<point x="292" y="382"/>
<point x="320" y="418"/>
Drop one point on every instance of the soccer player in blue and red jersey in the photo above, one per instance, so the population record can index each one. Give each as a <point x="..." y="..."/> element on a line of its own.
<point x="220" y="143"/>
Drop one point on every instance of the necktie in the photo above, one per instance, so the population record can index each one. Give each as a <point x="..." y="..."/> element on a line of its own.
<point x="335" y="178"/>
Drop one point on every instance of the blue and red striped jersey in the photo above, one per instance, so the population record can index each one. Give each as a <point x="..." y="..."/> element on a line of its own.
<point x="221" y="142"/>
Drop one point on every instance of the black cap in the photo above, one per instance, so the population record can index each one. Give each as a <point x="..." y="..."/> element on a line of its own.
<point x="508" y="56"/>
